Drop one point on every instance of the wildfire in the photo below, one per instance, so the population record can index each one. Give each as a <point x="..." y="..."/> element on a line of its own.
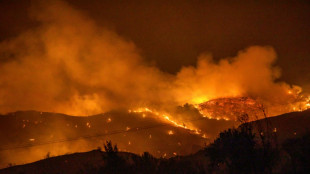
<point x="109" y="120"/>
<point x="166" y="117"/>
<point x="207" y="114"/>
<point x="204" y="136"/>
<point x="232" y="107"/>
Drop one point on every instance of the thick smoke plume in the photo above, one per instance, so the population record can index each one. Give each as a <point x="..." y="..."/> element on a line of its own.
<point x="70" y="65"/>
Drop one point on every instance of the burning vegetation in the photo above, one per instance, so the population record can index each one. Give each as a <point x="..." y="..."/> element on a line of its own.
<point x="225" y="108"/>
<point x="168" y="119"/>
<point x="68" y="64"/>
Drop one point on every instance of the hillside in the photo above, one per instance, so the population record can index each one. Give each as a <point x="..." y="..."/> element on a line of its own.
<point x="290" y="125"/>
<point x="92" y="160"/>
<point x="28" y="136"/>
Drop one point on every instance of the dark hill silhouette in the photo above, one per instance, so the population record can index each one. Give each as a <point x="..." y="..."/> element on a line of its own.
<point x="92" y="161"/>
<point x="289" y="125"/>
<point x="71" y="163"/>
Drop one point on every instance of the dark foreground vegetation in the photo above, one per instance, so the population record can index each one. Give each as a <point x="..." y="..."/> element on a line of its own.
<point x="234" y="151"/>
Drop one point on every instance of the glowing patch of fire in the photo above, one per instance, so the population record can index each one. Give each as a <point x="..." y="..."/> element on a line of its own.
<point x="165" y="117"/>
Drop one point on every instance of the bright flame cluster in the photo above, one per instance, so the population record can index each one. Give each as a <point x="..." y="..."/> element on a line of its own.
<point x="209" y="116"/>
<point x="303" y="101"/>
<point x="167" y="118"/>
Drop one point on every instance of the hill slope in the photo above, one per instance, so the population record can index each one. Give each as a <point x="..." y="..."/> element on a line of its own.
<point x="289" y="125"/>
<point x="28" y="136"/>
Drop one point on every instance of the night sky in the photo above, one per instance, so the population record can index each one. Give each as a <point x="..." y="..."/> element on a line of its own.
<point x="171" y="34"/>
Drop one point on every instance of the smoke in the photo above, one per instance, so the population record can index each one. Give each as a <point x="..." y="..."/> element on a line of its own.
<point x="251" y="73"/>
<point x="68" y="64"/>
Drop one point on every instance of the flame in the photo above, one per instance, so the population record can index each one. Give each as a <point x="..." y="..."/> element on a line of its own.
<point x="198" y="100"/>
<point x="109" y="120"/>
<point x="116" y="75"/>
<point x="204" y="136"/>
<point x="167" y="118"/>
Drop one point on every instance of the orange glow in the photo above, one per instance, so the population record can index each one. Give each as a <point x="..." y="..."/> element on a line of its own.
<point x="165" y="117"/>
<point x="69" y="64"/>
<point x="170" y="132"/>
<point x="101" y="76"/>
<point x="109" y="120"/>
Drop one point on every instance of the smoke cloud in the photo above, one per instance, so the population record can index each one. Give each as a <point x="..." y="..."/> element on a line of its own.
<point x="251" y="73"/>
<point x="69" y="64"/>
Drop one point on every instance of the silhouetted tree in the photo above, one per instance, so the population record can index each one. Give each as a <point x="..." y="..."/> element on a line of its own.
<point x="113" y="163"/>
<point x="234" y="149"/>
<point x="48" y="155"/>
<point x="149" y="163"/>
<point x="239" y="151"/>
<point x="145" y="163"/>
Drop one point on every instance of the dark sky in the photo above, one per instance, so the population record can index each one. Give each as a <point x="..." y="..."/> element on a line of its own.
<point x="173" y="33"/>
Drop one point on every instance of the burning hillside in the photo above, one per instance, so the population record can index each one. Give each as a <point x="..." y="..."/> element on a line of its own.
<point x="69" y="64"/>
<point x="233" y="107"/>
<point x="225" y="108"/>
